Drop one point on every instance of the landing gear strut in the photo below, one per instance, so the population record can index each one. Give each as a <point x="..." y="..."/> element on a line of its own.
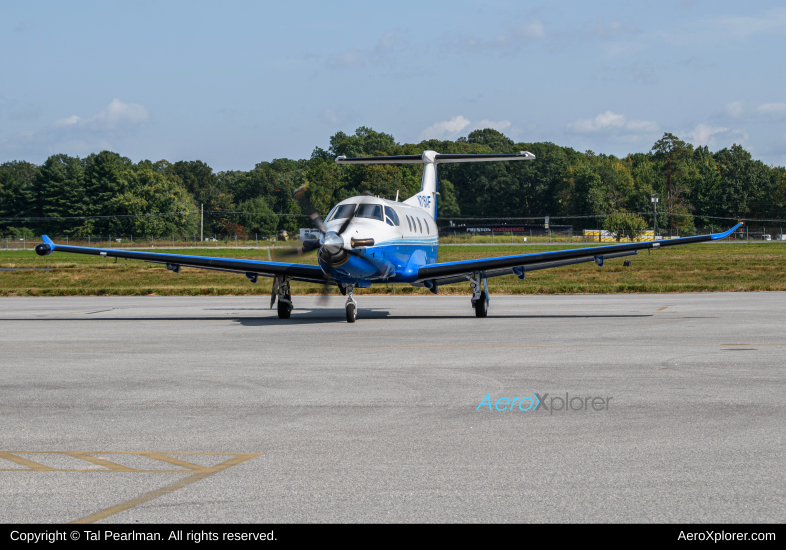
<point x="480" y="300"/>
<point x="352" y="305"/>
<point x="284" y="299"/>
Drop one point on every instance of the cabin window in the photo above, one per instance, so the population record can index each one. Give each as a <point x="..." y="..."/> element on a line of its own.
<point x="342" y="211"/>
<point x="373" y="211"/>
<point x="390" y="216"/>
<point x="420" y="226"/>
<point x="428" y="231"/>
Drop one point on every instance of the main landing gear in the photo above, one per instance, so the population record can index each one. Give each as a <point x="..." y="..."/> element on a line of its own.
<point x="352" y="305"/>
<point x="480" y="299"/>
<point x="284" y="297"/>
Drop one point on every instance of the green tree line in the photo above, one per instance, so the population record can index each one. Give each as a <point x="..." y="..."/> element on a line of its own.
<point x="106" y="193"/>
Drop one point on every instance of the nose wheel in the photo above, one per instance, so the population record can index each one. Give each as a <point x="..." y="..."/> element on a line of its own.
<point x="352" y="305"/>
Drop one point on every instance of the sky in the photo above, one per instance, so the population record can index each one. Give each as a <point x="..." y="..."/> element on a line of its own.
<point x="234" y="83"/>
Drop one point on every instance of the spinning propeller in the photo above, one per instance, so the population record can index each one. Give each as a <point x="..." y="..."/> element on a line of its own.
<point x="330" y="245"/>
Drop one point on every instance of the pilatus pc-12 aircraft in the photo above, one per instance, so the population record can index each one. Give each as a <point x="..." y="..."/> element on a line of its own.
<point x="367" y="240"/>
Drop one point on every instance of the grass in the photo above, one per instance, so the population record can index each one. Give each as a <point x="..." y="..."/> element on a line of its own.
<point x="693" y="268"/>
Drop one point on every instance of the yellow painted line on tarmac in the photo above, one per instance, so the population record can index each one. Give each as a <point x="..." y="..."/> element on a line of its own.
<point x="29" y="464"/>
<point x="113" y="466"/>
<point x="109" y="466"/>
<point x="174" y="461"/>
<point x="111" y="511"/>
<point x="661" y="309"/>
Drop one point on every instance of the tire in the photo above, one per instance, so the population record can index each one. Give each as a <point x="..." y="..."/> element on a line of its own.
<point x="351" y="313"/>
<point x="481" y="308"/>
<point x="284" y="310"/>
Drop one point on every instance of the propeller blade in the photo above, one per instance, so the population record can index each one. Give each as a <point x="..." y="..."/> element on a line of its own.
<point x="323" y="297"/>
<point x="346" y="222"/>
<point x="307" y="246"/>
<point x="300" y="196"/>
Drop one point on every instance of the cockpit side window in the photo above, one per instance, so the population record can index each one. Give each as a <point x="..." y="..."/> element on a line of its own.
<point x="373" y="211"/>
<point x="342" y="211"/>
<point x="391" y="216"/>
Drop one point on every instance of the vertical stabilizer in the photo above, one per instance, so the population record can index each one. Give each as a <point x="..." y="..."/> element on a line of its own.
<point x="426" y="198"/>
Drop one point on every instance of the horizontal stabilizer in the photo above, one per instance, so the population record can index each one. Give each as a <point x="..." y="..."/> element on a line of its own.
<point x="431" y="157"/>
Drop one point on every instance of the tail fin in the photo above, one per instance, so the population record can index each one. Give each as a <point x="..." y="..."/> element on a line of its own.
<point x="426" y="198"/>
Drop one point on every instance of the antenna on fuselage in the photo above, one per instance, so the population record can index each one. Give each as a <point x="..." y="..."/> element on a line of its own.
<point x="396" y="195"/>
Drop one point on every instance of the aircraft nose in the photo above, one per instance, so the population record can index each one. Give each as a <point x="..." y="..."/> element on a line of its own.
<point x="333" y="243"/>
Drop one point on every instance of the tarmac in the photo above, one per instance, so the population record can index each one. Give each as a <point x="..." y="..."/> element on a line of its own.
<point x="211" y="409"/>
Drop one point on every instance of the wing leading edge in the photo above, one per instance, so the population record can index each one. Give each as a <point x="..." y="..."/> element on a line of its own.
<point x="452" y="272"/>
<point x="298" y="272"/>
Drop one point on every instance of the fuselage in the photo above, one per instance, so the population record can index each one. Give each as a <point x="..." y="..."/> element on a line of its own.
<point x="405" y="239"/>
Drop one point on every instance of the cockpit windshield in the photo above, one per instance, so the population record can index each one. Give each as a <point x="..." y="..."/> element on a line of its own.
<point x="373" y="211"/>
<point x="342" y="211"/>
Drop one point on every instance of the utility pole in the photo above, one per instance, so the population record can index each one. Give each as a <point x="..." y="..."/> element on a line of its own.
<point x="668" y="193"/>
<point x="654" y="215"/>
<point x="201" y="222"/>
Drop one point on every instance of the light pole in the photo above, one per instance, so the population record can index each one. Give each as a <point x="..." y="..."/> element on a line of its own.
<point x="654" y="215"/>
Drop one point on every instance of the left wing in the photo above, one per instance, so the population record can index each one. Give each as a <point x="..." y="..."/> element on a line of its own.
<point x="251" y="268"/>
<point x="454" y="272"/>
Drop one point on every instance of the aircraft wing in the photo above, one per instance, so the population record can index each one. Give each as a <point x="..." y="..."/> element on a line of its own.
<point x="454" y="272"/>
<point x="173" y="262"/>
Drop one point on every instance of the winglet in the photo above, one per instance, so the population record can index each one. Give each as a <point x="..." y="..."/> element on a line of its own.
<point x="716" y="236"/>
<point x="48" y="241"/>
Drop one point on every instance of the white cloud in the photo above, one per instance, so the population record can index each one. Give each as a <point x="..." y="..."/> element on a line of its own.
<point x="600" y="122"/>
<point x="609" y="30"/>
<point x="79" y="135"/>
<point x="772" y="110"/>
<point x="450" y="129"/>
<point x="351" y="59"/>
<point x="767" y="112"/>
<point x="532" y="30"/>
<point x="744" y="26"/>
<point x="734" y="109"/>
<point x="611" y="121"/>
<point x="500" y="126"/>
<point x="704" y="134"/>
<point x="118" y="114"/>
<point x="616" y="126"/>
<point x="513" y="39"/>
<point x="337" y="116"/>
<point x="390" y="45"/>
<point x="445" y="129"/>
<point x="63" y="122"/>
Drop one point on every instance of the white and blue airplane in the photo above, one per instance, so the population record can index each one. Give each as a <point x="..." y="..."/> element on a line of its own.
<point x="368" y="240"/>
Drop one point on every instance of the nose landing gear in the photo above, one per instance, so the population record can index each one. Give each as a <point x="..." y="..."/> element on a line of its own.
<point x="352" y="305"/>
